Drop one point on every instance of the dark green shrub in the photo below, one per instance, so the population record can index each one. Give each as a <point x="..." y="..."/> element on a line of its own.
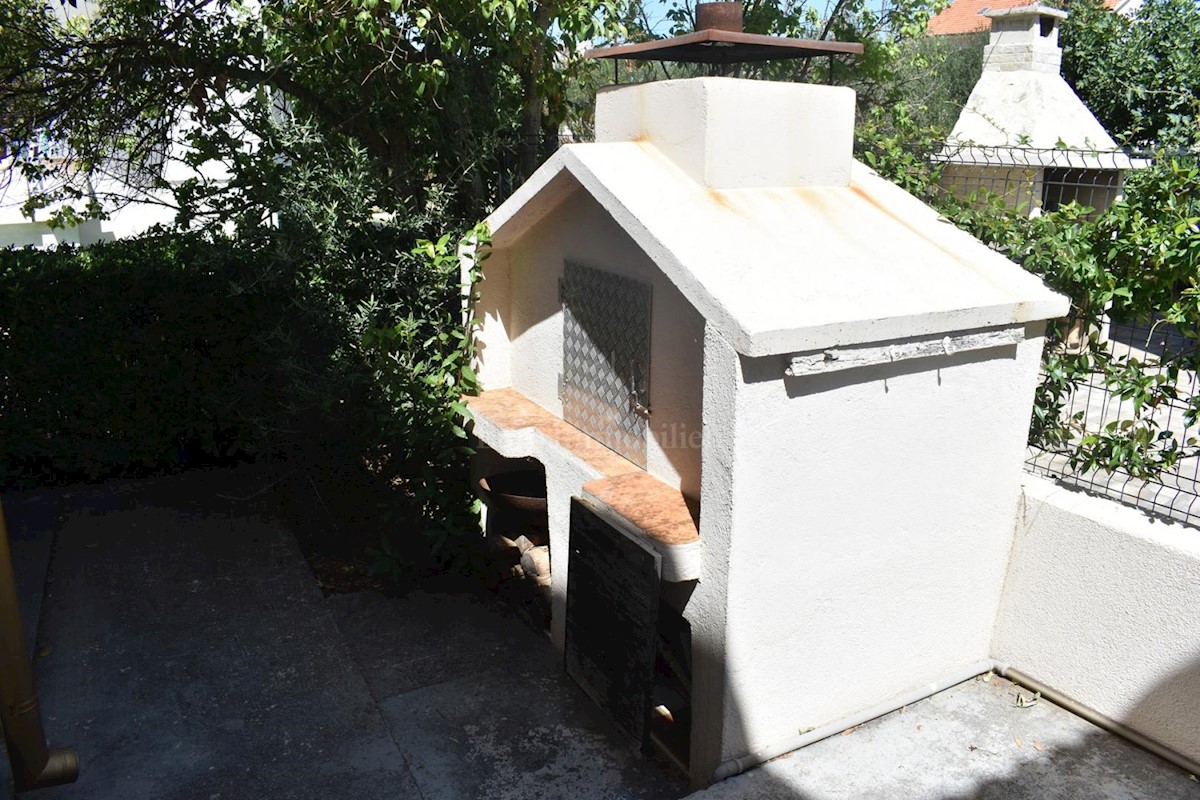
<point x="138" y="356"/>
<point x="336" y="346"/>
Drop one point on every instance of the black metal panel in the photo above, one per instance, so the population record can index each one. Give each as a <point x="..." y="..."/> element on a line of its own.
<point x="612" y="619"/>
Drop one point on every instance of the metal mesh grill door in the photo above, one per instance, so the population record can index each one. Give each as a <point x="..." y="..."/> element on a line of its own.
<point x="606" y="358"/>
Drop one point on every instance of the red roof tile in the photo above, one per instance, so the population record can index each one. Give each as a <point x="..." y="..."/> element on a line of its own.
<point x="966" y="16"/>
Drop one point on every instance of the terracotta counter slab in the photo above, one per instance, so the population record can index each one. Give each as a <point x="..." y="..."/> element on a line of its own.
<point x="511" y="410"/>
<point x="648" y="509"/>
<point x="653" y="513"/>
<point x="648" y="504"/>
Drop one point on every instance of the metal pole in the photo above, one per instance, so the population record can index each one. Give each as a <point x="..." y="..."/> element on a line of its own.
<point x="34" y="765"/>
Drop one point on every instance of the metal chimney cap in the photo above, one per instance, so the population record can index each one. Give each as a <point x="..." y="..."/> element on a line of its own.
<point x="1023" y="11"/>
<point x="725" y="47"/>
<point x="720" y="39"/>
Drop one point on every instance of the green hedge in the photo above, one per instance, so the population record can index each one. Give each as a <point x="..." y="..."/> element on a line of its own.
<point x="142" y="356"/>
<point x="338" y="349"/>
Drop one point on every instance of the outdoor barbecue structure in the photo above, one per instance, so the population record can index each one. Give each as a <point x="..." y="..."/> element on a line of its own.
<point x="1024" y="135"/>
<point x="780" y="404"/>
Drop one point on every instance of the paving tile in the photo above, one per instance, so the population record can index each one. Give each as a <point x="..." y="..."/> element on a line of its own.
<point x="971" y="741"/>
<point x="480" y="704"/>
<point x="524" y="735"/>
<point x="422" y="639"/>
<point x="192" y="656"/>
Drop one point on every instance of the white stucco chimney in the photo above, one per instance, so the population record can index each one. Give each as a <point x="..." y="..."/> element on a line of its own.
<point x="737" y="134"/>
<point x="1021" y="100"/>
<point x="1024" y="38"/>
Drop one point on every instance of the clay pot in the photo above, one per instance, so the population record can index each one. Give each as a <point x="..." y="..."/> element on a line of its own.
<point x="517" y="504"/>
<point x="523" y="490"/>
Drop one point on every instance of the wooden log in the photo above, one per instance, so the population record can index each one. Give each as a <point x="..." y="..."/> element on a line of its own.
<point x="536" y="561"/>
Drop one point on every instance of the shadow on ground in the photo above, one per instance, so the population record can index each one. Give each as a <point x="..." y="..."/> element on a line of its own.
<point x="186" y="651"/>
<point x="980" y="740"/>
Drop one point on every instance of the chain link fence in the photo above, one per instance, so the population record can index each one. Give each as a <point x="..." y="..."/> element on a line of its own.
<point x="1033" y="181"/>
<point x="519" y="156"/>
<point x="1094" y="405"/>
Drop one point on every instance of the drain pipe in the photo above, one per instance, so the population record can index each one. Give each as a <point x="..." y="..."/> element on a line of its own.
<point x="1100" y="721"/>
<point x="739" y="765"/>
<point x="34" y="765"/>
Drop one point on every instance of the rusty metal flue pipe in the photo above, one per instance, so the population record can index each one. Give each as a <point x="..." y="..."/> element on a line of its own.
<point x="34" y="765"/>
<point x="720" y="16"/>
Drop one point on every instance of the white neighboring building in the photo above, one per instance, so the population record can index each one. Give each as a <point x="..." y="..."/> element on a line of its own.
<point x="1127" y="8"/>
<point x="19" y="230"/>
<point x="127" y="219"/>
<point x="970" y="16"/>
<point x="129" y="210"/>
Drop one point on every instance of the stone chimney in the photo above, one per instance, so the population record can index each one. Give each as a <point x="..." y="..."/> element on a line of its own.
<point x="1024" y="38"/>
<point x="737" y="134"/>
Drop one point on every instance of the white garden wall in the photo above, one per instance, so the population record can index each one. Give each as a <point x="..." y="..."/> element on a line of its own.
<point x="1102" y="603"/>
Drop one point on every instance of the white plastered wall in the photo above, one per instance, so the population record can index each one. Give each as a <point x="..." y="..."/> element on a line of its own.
<point x="129" y="220"/>
<point x="707" y="610"/>
<point x="871" y="529"/>
<point x="32" y="234"/>
<point x="523" y="329"/>
<point x="493" y="317"/>
<point x="727" y="133"/>
<point x="1103" y="604"/>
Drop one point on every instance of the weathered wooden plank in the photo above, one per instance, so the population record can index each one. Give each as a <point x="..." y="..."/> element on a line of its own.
<point x="840" y="358"/>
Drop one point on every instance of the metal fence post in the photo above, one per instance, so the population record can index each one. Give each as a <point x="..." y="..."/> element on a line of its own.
<point x="34" y="765"/>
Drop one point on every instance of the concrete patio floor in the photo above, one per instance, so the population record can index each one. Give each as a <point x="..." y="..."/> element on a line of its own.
<point x="186" y="651"/>
<point x="975" y="740"/>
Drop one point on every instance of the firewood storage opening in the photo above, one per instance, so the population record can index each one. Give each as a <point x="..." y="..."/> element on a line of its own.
<point x="671" y="697"/>
<point x="518" y="535"/>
